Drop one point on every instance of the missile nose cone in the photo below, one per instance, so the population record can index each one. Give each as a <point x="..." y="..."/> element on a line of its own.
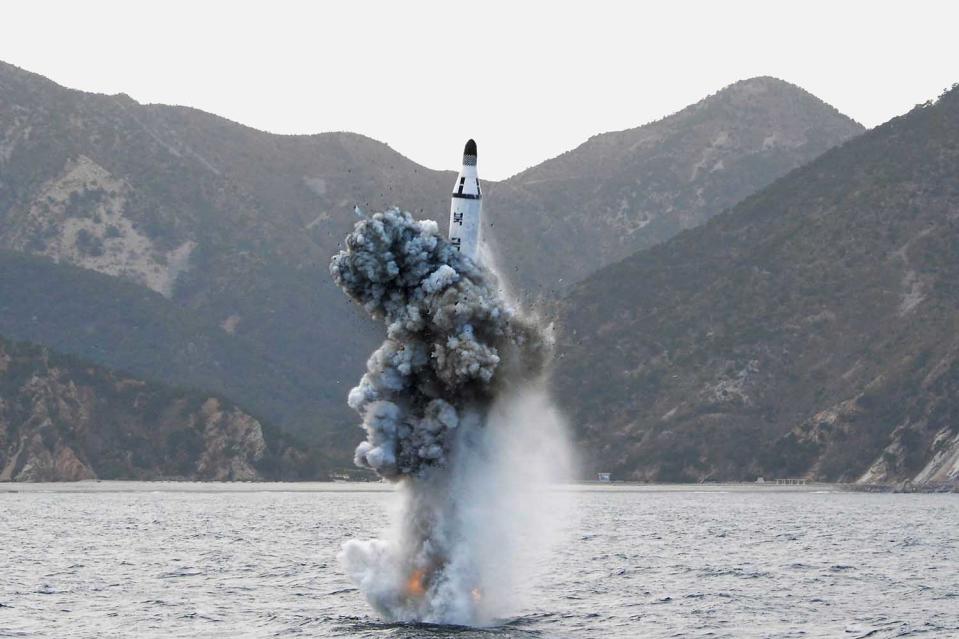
<point x="470" y="148"/>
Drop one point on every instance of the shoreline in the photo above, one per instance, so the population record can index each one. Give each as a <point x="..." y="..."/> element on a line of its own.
<point x="181" y="486"/>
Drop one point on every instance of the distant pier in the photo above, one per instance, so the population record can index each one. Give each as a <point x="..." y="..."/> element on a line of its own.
<point x="791" y="481"/>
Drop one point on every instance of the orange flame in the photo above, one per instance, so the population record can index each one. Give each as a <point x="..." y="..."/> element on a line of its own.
<point x="414" y="587"/>
<point x="477" y="595"/>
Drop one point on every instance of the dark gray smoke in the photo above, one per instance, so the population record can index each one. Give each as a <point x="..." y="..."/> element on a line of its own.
<point x="451" y="342"/>
<point x="454" y="414"/>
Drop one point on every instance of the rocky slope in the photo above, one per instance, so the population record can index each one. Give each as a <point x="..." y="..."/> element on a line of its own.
<point x="233" y="228"/>
<point x="62" y="419"/>
<point x="627" y="190"/>
<point x="809" y="331"/>
<point x="219" y="229"/>
<point x="128" y="327"/>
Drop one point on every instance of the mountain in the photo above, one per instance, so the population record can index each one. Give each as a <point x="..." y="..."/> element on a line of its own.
<point x="233" y="226"/>
<point x="810" y="331"/>
<point x="131" y="328"/>
<point x="225" y="232"/>
<point x="628" y="190"/>
<point x="63" y="419"/>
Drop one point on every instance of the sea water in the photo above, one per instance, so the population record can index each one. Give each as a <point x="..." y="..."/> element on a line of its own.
<point x="259" y="560"/>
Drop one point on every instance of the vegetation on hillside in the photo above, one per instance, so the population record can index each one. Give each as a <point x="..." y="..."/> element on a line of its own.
<point x="63" y="418"/>
<point x="811" y="330"/>
<point x="235" y="228"/>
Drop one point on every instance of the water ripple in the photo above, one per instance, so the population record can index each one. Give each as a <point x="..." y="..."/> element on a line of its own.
<point x="205" y="561"/>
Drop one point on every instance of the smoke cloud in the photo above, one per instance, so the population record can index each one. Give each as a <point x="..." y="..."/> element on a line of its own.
<point x="455" y="412"/>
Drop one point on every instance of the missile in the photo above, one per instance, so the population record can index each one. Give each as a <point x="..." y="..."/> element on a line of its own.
<point x="466" y="208"/>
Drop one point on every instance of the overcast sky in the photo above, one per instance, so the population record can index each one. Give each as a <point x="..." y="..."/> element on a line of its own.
<point x="527" y="80"/>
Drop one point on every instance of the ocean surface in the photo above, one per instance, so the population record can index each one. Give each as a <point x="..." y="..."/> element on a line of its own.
<point x="259" y="560"/>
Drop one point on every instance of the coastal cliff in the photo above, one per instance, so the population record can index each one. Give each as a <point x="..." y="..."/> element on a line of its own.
<point x="62" y="419"/>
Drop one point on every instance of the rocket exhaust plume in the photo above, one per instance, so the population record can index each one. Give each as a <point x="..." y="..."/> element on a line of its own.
<point x="455" y="413"/>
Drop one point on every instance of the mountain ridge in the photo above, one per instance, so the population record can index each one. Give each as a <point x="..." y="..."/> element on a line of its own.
<point x="627" y="190"/>
<point x="805" y="331"/>
<point x="235" y="228"/>
<point x="760" y="80"/>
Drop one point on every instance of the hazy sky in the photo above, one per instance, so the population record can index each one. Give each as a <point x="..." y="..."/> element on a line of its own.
<point x="528" y="80"/>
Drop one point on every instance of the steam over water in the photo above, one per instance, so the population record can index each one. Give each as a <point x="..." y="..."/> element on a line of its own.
<point x="454" y="412"/>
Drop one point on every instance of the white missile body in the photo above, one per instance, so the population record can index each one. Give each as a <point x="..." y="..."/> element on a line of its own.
<point x="466" y="209"/>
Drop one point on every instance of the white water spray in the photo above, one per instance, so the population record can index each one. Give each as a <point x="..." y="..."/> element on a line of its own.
<point x="455" y="412"/>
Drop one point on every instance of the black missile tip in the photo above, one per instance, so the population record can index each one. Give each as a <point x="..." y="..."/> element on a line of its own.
<point x="470" y="148"/>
